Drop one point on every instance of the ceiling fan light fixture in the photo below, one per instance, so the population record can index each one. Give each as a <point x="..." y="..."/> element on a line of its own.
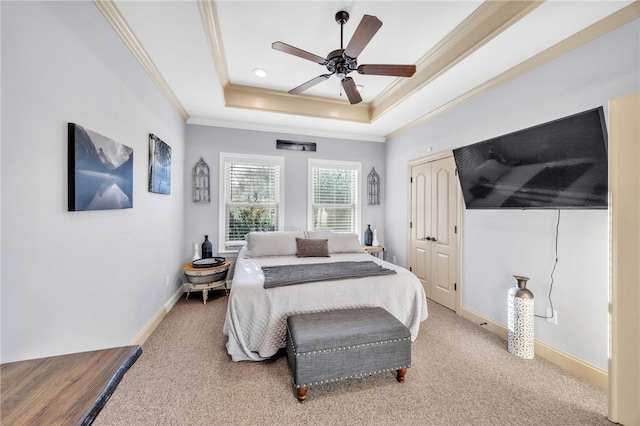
<point x="260" y="72"/>
<point x="341" y="71"/>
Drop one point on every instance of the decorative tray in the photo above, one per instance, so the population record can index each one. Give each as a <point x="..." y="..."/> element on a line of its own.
<point x="208" y="262"/>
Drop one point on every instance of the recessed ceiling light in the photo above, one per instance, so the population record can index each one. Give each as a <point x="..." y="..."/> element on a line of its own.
<point x="360" y="87"/>
<point x="260" y="72"/>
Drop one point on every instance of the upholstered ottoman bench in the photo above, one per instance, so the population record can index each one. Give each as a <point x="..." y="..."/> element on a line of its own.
<point x="325" y="347"/>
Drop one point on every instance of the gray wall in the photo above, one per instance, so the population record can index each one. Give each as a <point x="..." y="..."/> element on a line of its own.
<point x="78" y="281"/>
<point x="208" y="142"/>
<point x="498" y="244"/>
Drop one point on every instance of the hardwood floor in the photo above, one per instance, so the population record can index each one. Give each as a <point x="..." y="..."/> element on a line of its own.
<point x="62" y="390"/>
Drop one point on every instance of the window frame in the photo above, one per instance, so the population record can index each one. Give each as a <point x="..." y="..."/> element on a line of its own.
<point x="341" y="165"/>
<point x="227" y="157"/>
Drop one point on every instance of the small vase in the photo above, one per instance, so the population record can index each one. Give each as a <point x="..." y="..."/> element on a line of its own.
<point x="196" y="255"/>
<point x="207" y="248"/>
<point x="368" y="236"/>
<point x="375" y="241"/>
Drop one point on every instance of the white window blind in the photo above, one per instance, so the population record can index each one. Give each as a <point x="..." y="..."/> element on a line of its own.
<point x="334" y="196"/>
<point x="252" y="196"/>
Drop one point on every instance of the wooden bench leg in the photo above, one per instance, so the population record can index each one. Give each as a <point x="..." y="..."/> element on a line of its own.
<point x="302" y="395"/>
<point x="401" y="373"/>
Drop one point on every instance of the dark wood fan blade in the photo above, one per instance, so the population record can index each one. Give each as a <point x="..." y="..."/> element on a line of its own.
<point x="367" y="28"/>
<point x="351" y="90"/>
<point x="308" y="84"/>
<point x="391" y="70"/>
<point x="287" y="48"/>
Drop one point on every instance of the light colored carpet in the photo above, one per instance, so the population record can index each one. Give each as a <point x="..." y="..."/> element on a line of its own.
<point x="461" y="375"/>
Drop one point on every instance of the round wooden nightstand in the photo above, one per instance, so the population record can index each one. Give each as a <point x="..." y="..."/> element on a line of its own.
<point x="205" y="279"/>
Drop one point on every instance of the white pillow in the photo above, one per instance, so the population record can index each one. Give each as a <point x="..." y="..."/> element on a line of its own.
<point x="339" y="242"/>
<point x="276" y="243"/>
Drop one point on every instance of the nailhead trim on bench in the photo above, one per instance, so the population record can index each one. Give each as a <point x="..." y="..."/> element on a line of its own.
<point x="355" y="376"/>
<point x="351" y="347"/>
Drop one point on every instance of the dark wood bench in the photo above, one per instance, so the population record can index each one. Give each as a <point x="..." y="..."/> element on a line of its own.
<point x="62" y="390"/>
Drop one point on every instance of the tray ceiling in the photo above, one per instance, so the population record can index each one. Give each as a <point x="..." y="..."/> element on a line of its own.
<point x="202" y="55"/>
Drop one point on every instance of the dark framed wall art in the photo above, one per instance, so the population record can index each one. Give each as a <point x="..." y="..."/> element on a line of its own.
<point x="159" y="166"/>
<point x="100" y="171"/>
<point x="201" y="182"/>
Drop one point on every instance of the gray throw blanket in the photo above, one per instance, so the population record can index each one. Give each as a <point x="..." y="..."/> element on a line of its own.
<point x="281" y="275"/>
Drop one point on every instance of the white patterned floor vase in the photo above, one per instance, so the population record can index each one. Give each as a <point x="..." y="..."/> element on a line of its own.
<point x="520" y="339"/>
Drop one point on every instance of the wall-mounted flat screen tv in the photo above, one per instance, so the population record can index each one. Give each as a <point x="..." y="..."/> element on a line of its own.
<point x="561" y="164"/>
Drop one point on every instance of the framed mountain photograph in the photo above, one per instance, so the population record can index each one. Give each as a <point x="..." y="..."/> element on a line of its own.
<point x="100" y="171"/>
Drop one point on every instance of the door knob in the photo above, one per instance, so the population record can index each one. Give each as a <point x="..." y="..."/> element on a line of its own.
<point x="433" y="239"/>
<point x="428" y="238"/>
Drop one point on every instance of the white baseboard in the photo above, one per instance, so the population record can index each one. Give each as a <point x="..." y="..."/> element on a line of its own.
<point x="567" y="362"/>
<point x="155" y="320"/>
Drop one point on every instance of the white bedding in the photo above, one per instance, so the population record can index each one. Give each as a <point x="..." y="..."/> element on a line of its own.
<point x="256" y="317"/>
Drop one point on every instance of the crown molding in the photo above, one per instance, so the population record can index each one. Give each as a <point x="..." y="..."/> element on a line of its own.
<point x="485" y="23"/>
<point x="209" y="16"/>
<point x="111" y="12"/>
<point x="284" y="130"/>
<point x="238" y="96"/>
<point x="598" y="29"/>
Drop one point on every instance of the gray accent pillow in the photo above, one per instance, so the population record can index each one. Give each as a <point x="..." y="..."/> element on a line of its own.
<point x="311" y="248"/>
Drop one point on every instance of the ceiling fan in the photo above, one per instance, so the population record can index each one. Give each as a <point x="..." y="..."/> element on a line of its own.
<point x="342" y="61"/>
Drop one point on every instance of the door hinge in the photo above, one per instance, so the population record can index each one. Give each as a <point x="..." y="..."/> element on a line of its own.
<point x="411" y="179"/>
<point x="456" y="172"/>
<point x="410" y="224"/>
<point x="455" y="286"/>
<point x="410" y="269"/>
<point x="455" y="229"/>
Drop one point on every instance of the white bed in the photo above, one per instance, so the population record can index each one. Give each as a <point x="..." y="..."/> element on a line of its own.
<point x="256" y="317"/>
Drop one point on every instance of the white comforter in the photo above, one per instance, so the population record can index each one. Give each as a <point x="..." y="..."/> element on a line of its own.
<point x="256" y="317"/>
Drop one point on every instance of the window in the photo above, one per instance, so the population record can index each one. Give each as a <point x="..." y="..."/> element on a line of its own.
<point x="334" y="198"/>
<point x="251" y="189"/>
